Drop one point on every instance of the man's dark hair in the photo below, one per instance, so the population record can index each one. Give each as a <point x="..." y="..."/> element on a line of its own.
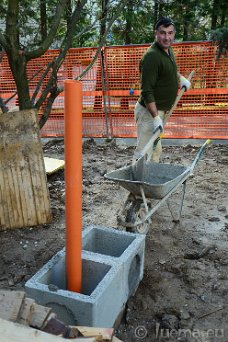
<point x="165" y="22"/>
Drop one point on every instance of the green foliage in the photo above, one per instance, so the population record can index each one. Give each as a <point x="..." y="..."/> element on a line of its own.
<point x="134" y="24"/>
<point x="141" y="28"/>
<point x="220" y="35"/>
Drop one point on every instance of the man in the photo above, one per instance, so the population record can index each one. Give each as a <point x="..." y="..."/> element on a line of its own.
<point x="159" y="86"/>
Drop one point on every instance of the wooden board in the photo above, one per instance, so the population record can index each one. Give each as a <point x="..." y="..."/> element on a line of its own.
<point x="27" y="311"/>
<point x="24" y="196"/>
<point x="40" y="315"/>
<point x="14" y="332"/>
<point x="52" y="165"/>
<point x="22" y="319"/>
<point x="10" y="304"/>
<point x="102" y="333"/>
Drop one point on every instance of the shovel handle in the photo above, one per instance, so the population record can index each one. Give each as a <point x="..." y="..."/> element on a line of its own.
<point x="179" y="96"/>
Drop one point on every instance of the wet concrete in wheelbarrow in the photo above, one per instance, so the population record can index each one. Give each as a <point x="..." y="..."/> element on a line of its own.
<point x="184" y="292"/>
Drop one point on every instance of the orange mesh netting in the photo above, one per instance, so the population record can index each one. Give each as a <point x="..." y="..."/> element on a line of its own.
<point x="111" y="88"/>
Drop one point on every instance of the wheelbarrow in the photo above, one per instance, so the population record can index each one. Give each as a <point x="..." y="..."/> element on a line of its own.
<point x="147" y="183"/>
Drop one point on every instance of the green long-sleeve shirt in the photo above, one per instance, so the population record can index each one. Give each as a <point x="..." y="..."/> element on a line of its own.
<point x="158" y="73"/>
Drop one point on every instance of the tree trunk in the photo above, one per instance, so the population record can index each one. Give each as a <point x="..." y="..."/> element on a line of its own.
<point x="43" y="19"/>
<point x="129" y="23"/>
<point x="18" y="68"/>
<point x="104" y="6"/>
<point x="68" y="12"/>
<point x="214" y="15"/>
<point x="16" y="57"/>
<point x="156" y="11"/>
<point x="224" y="9"/>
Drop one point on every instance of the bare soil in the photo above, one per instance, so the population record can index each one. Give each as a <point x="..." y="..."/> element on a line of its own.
<point x="184" y="292"/>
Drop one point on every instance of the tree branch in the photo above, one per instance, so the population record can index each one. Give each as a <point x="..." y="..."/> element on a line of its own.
<point x="12" y="26"/>
<point x="102" y="41"/>
<point x="40" y="82"/>
<point x="52" y="83"/>
<point x="51" y="35"/>
<point x="63" y="51"/>
<point x="67" y="42"/>
<point x="3" y="42"/>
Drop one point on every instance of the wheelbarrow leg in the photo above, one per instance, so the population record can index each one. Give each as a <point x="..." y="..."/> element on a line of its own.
<point x="177" y="218"/>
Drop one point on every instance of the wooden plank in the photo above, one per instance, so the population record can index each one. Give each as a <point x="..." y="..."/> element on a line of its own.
<point x="28" y="193"/>
<point x="24" y="195"/>
<point x="7" y="187"/>
<point x="27" y="311"/>
<point x="115" y="339"/>
<point x="39" y="316"/>
<point x="34" y="169"/>
<point x="19" y="204"/>
<point x="5" y="199"/>
<point x="14" y="332"/>
<point x="42" y="200"/>
<point x="12" y="194"/>
<point x="104" y="333"/>
<point x="52" y="165"/>
<point x="23" y="204"/>
<point x="3" y="221"/>
<point x="58" y="328"/>
<point x="10" y="304"/>
<point x="44" y="195"/>
<point x="43" y="182"/>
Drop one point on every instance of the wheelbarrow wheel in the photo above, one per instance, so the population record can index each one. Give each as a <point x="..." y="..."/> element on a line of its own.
<point x="131" y="211"/>
<point x="135" y="212"/>
<point x="142" y="228"/>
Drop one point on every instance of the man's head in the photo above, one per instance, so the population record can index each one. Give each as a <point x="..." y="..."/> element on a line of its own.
<point x="165" y="32"/>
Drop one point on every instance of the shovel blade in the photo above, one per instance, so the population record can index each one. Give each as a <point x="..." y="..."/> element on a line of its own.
<point x="138" y="168"/>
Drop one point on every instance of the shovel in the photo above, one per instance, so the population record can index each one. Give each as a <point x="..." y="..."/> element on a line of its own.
<point x="139" y="164"/>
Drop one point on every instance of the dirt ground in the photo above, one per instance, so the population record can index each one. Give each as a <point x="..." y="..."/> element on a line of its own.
<point x="184" y="292"/>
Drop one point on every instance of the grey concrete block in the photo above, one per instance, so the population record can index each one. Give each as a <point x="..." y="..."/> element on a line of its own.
<point x="101" y="299"/>
<point x="126" y="249"/>
<point x="112" y="267"/>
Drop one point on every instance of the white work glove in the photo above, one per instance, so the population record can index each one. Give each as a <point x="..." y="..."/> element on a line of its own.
<point x="184" y="83"/>
<point x="158" y="123"/>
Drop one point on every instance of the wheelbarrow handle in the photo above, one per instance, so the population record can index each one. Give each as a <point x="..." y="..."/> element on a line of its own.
<point x="195" y="161"/>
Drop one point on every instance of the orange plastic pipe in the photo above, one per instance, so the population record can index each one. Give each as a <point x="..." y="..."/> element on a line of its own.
<point x="73" y="182"/>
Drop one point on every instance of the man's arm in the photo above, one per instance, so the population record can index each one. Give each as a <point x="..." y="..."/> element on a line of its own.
<point x="152" y="108"/>
<point x="157" y="122"/>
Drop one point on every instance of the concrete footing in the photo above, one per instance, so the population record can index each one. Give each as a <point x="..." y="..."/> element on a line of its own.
<point x="112" y="267"/>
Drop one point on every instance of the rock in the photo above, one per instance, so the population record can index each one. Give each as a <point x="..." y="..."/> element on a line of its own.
<point x="184" y="314"/>
<point x="102" y="173"/>
<point x="222" y="208"/>
<point x="162" y="262"/>
<point x="53" y="287"/>
<point x="225" y="226"/>
<point x="169" y="322"/>
<point x="214" y="219"/>
<point x="223" y="160"/>
<point x="10" y="282"/>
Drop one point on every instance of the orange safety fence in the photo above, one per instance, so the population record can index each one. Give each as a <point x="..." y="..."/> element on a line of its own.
<point x="112" y="85"/>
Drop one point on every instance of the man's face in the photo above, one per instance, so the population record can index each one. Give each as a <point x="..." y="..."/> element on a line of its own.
<point x="164" y="36"/>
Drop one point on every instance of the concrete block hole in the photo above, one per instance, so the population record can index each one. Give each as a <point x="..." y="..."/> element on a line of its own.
<point x="107" y="242"/>
<point x="92" y="274"/>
